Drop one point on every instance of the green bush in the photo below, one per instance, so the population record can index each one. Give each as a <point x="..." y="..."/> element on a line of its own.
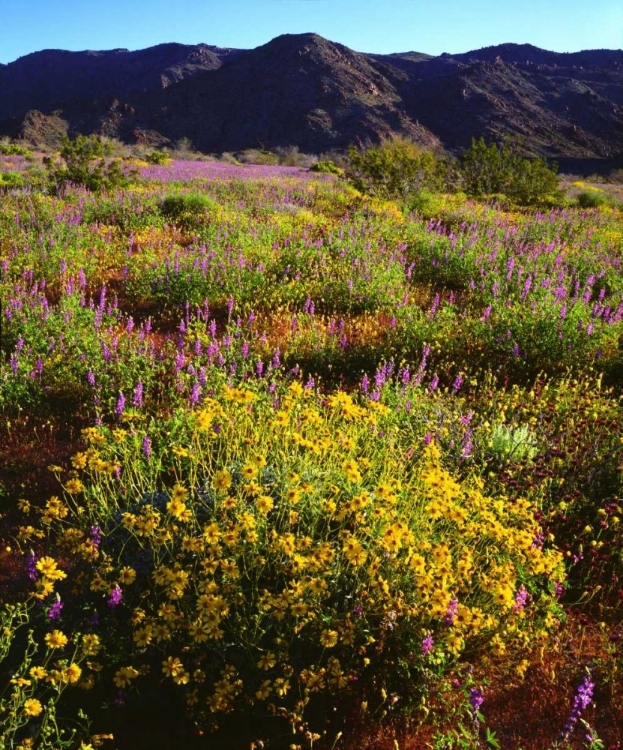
<point x="82" y="163"/>
<point x="591" y="199"/>
<point x="489" y="169"/>
<point x="394" y="169"/>
<point x="13" y="149"/>
<point x="187" y="209"/>
<point x="326" y="167"/>
<point x="10" y="180"/>
<point x="157" y="157"/>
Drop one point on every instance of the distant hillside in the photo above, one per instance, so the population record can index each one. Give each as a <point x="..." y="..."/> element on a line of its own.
<point x="304" y="90"/>
<point x="51" y="78"/>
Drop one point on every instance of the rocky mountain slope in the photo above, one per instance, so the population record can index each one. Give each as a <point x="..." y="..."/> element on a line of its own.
<point x="306" y="91"/>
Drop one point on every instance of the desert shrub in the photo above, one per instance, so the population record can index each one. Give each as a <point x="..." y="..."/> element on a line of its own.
<point x="9" y="180"/>
<point x="253" y="554"/>
<point x="591" y="199"/>
<point x="488" y="169"/>
<point x="257" y="156"/>
<point x="157" y="157"/>
<point x="290" y="156"/>
<point x="83" y="163"/>
<point x="394" y="169"/>
<point x="326" y="167"/>
<point x="184" y="148"/>
<point x="13" y="149"/>
<point x="187" y="209"/>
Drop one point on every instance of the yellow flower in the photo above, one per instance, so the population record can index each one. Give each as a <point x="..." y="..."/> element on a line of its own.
<point x="124" y="676"/>
<point x="32" y="707"/>
<point x="143" y="636"/>
<point x="264" y="504"/>
<point x="72" y="673"/>
<point x="74" y="486"/>
<point x="178" y="509"/>
<point x="264" y="690"/>
<point x="181" y="678"/>
<point x="48" y="568"/>
<point x="328" y="638"/>
<point x="267" y="661"/>
<point x="38" y="673"/>
<point x="56" y="639"/>
<point x="91" y="644"/>
<point x="179" y="493"/>
<point x="222" y="480"/>
<point x="23" y="505"/>
<point x="199" y="631"/>
<point x="172" y="666"/>
<point x="127" y="575"/>
<point x="249" y="471"/>
<point x="293" y="495"/>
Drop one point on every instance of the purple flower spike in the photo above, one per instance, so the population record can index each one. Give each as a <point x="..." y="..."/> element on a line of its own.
<point x="120" y="404"/>
<point x="520" y="599"/>
<point x="451" y="611"/>
<point x="137" y="401"/>
<point x="31" y="566"/>
<point x="54" y="613"/>
<point x="427" y="645"/>
<point x="95" y="535"/>
<point x="116" y="595"/>
<point x="476" y="698"/>
<point x="582" y="700"/>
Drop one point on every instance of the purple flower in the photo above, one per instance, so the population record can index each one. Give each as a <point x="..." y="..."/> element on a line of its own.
<point x="476" y="698"/>
<point x="427" y="645"/>
<point x="120" y="404"/>
<point x="433" y="384"/>
<point x="116" y="595"/>
<point x="581" y="701"/>
<point x="95" y="536"/>
<point x="146" y="446"/>
<point x="31" y="567"/>
<point x="195" y="396"/>
<point x="137" y="401"/>
<point x="520" y="599"/>
<point x="54" y="613"/>
<point x="451" y="611"/>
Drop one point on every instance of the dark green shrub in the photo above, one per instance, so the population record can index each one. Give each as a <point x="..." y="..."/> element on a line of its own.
<point x="157" y="157"/>
<point x="13" y="149"/>
<point x="10" y="180"/>
<point x="490" y="169"/>
<point x="394" y="169"/>
<point x="82" y="163"/>
<point x="326" y="167"/>
<point x="591" y="199"/>
<point x="187" y="209"/>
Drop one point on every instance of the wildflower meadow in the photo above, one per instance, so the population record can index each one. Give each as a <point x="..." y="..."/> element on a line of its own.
<point x="283" y="465"/>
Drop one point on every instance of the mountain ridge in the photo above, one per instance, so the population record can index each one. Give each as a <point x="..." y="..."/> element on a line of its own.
<point x="305" y="90"/>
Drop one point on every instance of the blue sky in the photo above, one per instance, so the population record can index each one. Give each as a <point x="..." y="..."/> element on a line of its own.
<point x="432" y="26"/>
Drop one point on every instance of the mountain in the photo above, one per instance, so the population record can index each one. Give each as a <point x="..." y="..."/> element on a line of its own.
<point x="50" y="78"/>
<point x="304" y="90"/>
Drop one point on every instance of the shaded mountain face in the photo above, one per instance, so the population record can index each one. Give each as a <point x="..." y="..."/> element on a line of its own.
<point x="50" y="78"/>
<point x="306" y="91"/>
